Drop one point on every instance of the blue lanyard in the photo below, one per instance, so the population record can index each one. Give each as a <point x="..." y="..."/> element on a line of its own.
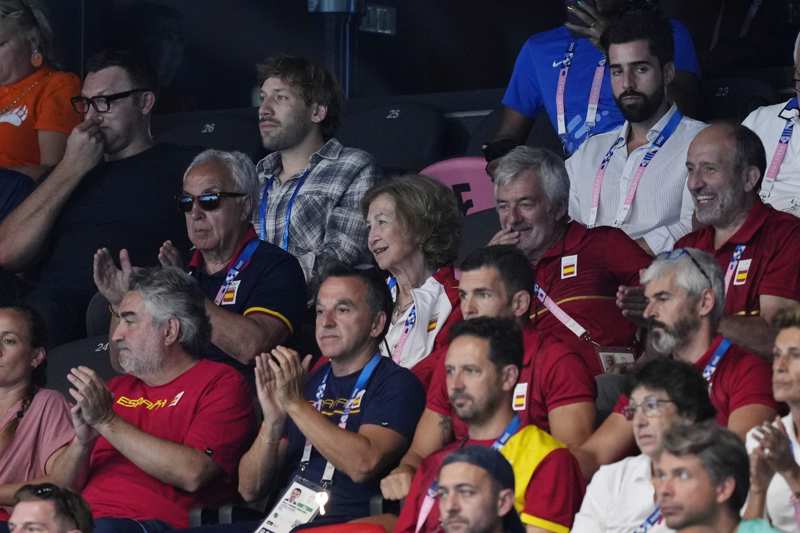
<point x="656" y="145"/>
<point x="238" y="265"/>
<point x="719" y="353"/>
<point x="652" y="519"/>
<point x="262" y="210"/>
<point x="361" y="382"/>
<point x="509" y="432"/>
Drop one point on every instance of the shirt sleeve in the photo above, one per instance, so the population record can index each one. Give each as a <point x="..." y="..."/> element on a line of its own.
<point x="224" y="421"/>
<point x="54" y="109"/>
<point x="523" y="93"/>
<point x="554" y="493"/>
<point x="782" y="273"/>
<point x="750" y="383"/>
<point x="624" y="257"/>
<point x="407" y="521"/>
<point x="280" y="292"/>
<point x="345" y="229"/>
<point x="685" y="56"/>
<point x="592" y="516"/>
<point x="56" y="424"/>
<point x="396" y="402"/>
<point x="573" y="169"/>
<point x="438" y="401"/>
<point x="567" y="380"/>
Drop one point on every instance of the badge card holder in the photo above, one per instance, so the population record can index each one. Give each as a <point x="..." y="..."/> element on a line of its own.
<point x="301" y="503"/>
<point x="612" y="357"/>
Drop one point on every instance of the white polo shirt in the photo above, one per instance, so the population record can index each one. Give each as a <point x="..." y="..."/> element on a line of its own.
<point x="619" y="499"/>
<point x="768" y="122"/>
<point x="661" y="212"/>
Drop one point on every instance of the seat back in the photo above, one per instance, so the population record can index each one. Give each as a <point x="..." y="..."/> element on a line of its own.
<point x="735" y="98"/>
<point x="91" y="352"/>
<point x="468" y="178"/>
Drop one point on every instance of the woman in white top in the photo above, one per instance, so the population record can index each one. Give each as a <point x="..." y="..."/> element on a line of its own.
<point x="620" y="497"/>
<point x="414" y="234"/>
<point x="773" y="446"/>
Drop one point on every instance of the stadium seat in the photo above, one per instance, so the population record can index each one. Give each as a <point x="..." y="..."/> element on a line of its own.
<point x="468" y="178"/>
<point x="542" y="134"/>
<point x="91" y="352"/>
<point x="98" y="316"/>
<point x="609" y="387"/>
<point x="403" y="137"/>
<point x="479" y="228"/>
<point x="735" y="98"/>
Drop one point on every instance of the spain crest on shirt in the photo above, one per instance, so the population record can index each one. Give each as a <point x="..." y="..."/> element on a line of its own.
<point x="569" y="266"/>
<point x="742" y="269"/>
<point x="229" y="296"/>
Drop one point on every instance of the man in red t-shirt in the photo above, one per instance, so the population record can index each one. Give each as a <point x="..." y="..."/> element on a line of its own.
<point x="754" y="244"/>
<point x="685" y="297"/>
<point x="555" y="390"/>
<point x="483" y="364"/>
<point x="578" y="269"/>
<point x="168" y="435"/>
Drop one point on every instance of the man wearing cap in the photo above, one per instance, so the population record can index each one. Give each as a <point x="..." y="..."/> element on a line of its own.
<point x="476" y="492"/>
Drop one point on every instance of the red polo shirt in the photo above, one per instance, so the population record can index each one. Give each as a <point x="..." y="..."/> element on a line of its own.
<point x="742" y="378"/>
<point x="552" y="375"/>
<point x="581" y="273"/>
<point x="769" y="263"/>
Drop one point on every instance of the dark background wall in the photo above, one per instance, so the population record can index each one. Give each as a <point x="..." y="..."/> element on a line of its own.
<point x="207" y="49"/>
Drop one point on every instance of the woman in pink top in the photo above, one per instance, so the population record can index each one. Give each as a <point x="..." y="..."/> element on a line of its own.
<point x="35" y="426"/>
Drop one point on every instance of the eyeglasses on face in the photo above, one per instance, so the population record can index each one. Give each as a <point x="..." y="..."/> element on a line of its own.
<point x="677" y="253"/>
<point x="101" y="103"/>
<point x="650" y="407"/>
<point x="207" y="201"/>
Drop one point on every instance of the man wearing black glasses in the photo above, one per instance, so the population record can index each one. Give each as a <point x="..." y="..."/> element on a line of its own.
<point x="114" y="187"/>
<point x="685" y="299"/>
<point x="46" y="508"/>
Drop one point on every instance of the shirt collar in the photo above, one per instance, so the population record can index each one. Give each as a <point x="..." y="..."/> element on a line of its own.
<point x="654" y="131"/>
<point x="643" y="468"/>
<point x="197" y="261"/>
<point x="701" y="363"/>
<point x="573" y="236"/>
<point x="790" y="111"/>
<point x="331" y="150"/>
<point x="755" y="219"/>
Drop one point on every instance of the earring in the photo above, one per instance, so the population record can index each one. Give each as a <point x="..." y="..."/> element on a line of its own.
<point x="37" y="59"/>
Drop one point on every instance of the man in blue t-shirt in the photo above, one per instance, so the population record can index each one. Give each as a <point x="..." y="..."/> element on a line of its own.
<point x="356" y="413"/>
<point x="563" y="72"/>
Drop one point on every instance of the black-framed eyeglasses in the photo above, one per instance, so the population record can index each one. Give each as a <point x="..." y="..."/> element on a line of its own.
<point x="101" y="103"/>
<point x="677" y="253"/>
<point x="59" y="496"/>
<point x="650" y="407"/>
<point x="207" y="201"/>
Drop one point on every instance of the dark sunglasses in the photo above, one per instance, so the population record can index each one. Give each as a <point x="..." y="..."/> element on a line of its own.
<point x="102" y="103"/>
<point x="48" y="491"/>
<point x="207" y="201"/>
<point x="677" y="253"/>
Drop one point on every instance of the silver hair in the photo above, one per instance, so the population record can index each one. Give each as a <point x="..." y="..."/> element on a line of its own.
<point x="169" y="292"/>
<point x="689" y="277"/>
<point x="241" y="169"/>
<point x="548" y="166"/>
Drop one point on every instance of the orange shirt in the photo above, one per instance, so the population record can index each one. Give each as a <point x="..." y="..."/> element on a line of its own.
<point x="40" y="101"/>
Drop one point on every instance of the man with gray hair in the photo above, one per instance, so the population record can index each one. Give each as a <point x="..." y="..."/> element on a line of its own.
<point x="168" y="435"/>
<point x="255" y="292"/>
<point x="578" y="269"/>
<point x="685" y="299"/>
<point x="701" y="476"/>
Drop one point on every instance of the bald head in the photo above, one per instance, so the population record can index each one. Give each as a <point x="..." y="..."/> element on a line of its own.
<point x="725" y="163"/>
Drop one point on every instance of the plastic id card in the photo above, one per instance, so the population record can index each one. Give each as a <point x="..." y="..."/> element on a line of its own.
<point x="302" y="502"/>
<point x="612" y="357"/>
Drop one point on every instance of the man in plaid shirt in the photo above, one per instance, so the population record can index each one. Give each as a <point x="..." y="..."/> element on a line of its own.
<point x="311" y="185"/>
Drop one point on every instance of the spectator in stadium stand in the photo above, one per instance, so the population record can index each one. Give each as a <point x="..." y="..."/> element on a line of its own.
<point x="255" y="292"/>
<point x="754" y="244"/>
<point x="35" y="112"/>
<point x="36" y="435"/>
<point x="578" y="270"/>
<point x="311" y="185"/>
<point x="564" y="72"/>
<point x="685" y="298"/>
<point x="85" y="202"/>
<point x="627" y="177"/>
<point x="555" y="390"/>
<point x="775" y="125"/>
<point x="701" y="476"/>
<point x="414" y="233"/>
<point x="620" y="496"/>
<point x="350" y="421"/>
<point x="48" y="508"/>
<point x="483" y="364"/>
<point x="167" y="436"/>
<point x="476" y="492"/>
<point x="773" y="446"/>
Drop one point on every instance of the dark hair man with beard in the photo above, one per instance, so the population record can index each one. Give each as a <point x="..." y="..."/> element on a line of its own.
<point x="627" y="177"/>
<point x="685" y="300"/>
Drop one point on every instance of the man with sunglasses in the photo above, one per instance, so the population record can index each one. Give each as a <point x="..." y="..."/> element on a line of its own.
<point x="255" y="292"/>
<point x="754" y="244"/>
<point x="115" y="187"/>
<point x="46" y="508"/>
<point x="685" y="298"/>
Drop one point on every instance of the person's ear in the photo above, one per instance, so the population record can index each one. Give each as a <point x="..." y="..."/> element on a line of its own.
<point x="318" y="112"/>
<point x="668" y="73"/>
<point x="39" y="357"/>
<point x="505" y="502"/>
<point x="725" y="490"/>
<point x="509" y="376"/>
<point x="752" y="176"/>
<point x="378" y="324"/>
<point x="521" y="303"/>
<point x="147" y="102"/>
<point x="172" y="331"/>
<point x="705" y="304"/>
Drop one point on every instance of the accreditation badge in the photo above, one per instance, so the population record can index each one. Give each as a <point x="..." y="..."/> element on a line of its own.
<point x="742" y="269"/>
<point x="229" y="296"/>
<point x="302" y="502"/>
<point x="520" y="399"/>
<point x="615" y="356"/>
<point x="569" y="266"/>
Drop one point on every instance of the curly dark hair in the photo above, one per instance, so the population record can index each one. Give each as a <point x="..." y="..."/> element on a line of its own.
<point x="428" y="210"/>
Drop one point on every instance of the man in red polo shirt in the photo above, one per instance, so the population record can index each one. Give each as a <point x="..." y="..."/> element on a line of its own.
<point x="754" y="244"/>
<point x="483" y="364"/>
<point x="555" y="390"/>
<point x="685" y="297"/>
<point x="578" y="269"/>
